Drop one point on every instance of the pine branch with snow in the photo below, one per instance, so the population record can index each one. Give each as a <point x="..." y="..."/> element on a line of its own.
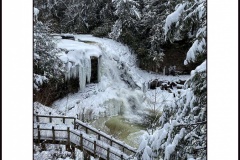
<point x="182" y="133"/>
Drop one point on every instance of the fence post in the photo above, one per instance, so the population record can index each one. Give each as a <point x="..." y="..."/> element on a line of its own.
<point x="74" y="123"/>
<point x="82" y="117"/>
<point x="108" y="153"/>
<point x="64" y="120"/>
<point x="86" y="130"/>
<point x="99" y="136"/>
<point x="95" y="147"/>
<point x="68" y="139"/>
<point x="53" y="134"/>
<point x="111" y="141"/>
<point x="73" y="151"/>
<point x="37" y="118"/>
<point x="50" y="118"/>
<point x="38" y="127"/>
<point x="81" y="142"/>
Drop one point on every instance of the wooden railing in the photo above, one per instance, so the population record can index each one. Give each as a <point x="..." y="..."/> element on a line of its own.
<point x="79" y="140"/>
<point x="79" y="125"/>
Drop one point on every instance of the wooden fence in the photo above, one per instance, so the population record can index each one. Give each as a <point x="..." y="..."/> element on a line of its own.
<point x="101" y="137"/>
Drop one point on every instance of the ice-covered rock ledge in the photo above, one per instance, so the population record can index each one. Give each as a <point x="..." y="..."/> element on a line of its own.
<point x="77" y="60"/>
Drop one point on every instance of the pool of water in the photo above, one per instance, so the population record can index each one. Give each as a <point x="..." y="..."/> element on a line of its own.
<point x="121" y="129"/>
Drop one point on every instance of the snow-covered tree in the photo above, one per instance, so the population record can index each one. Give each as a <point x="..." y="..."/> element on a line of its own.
<point x="183" y="125"/>
<point x="47" y="67"/>
<point x="154" y="13"/>
<point x="182" y="133"/>
<point x="46" y="62"/>
<point x="127" y="12"/>
<point x="188" y="21"/>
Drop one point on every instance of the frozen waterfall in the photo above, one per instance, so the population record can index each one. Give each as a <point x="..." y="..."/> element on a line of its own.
<point x="78" y="65"/>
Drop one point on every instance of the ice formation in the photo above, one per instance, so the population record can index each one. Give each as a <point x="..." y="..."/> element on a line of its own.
<point x="78" y="61"/>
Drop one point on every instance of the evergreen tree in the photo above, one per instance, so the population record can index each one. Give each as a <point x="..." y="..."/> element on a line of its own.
<point x="182" y="133"/>
<point x="127" y="13"/>
<point x="46" y="62"/>
<point x="188" y="21"/>
<point x="47" y="67"/>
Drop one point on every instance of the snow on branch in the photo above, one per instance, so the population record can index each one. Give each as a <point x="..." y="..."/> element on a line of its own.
<point x="173" y="18"/>
<point x="198" y="48"/>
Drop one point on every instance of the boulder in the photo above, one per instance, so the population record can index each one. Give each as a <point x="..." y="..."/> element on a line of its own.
<point x="154" y="84"/>
<point x="173" y="84"/>
<point x="181" y="82"/>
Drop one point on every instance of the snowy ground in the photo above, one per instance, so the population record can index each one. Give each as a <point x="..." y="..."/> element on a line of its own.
<point x="56" y="152"/>
<point x="112" y="95"/>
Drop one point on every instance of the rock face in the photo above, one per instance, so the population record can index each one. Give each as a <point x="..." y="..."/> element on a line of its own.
<point x="68" y="37"/>
<point x="175" y="54"/>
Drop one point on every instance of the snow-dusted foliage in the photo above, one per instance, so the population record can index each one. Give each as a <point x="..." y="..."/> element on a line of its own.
<point x="48" y="77"/>
<point x="116" y="30"/>
<point x="46" y="63"/>
<point x="173" y="17"/>
<point x="182" y="131"/>
<point x="198" y="48"/>
<point x="152" y="24"/>
<point x="38" y="80"/>
<point x="35" y="12"/>
<point x="127" y="12"/>
<point x="125" y="8"/>
<point x="189" y="21"/>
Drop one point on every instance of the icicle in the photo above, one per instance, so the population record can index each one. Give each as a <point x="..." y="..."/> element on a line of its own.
<point x="65" y="76"/>
<point x="88" y="69"/>
<point x="77" y="71"/>
<point x="99" y="67"/>
<point x="72" y="70"/>
<point x="68" y="71"/>
<point x="82" y="75"/>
